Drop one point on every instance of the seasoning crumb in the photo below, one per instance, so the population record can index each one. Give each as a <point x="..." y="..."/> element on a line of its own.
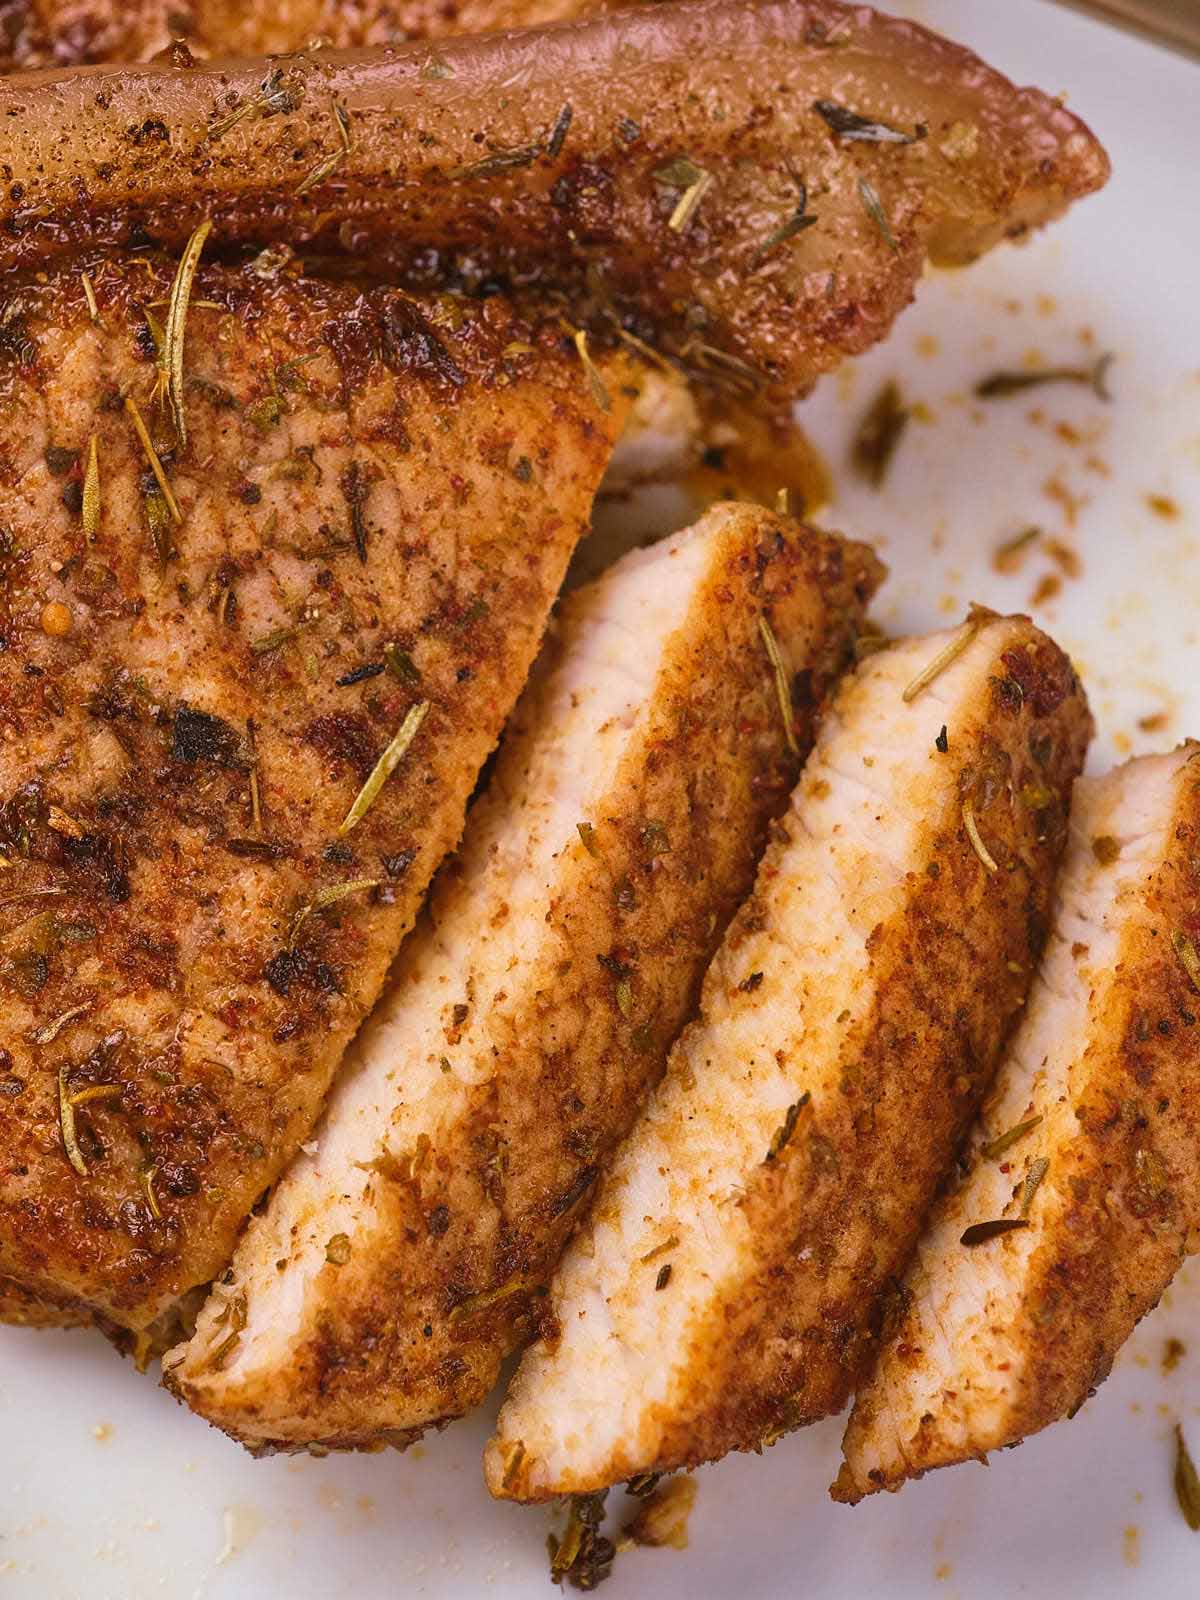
<point x="1106" y="849"/>
<point x="879" y="434"/>
<point x="1048" y="586"/>
<point x="1163" y="506"/>
<point x="1173" y="1353"/>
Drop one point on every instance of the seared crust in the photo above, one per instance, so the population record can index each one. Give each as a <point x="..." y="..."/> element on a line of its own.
<point x="820" y="1200"/>
<point x="995" y="1343"/>
<point x="356" y="475"/>
<point x="435" y="164"/>
<point x="68" y="33"/>
<point x="554" y="1000"/>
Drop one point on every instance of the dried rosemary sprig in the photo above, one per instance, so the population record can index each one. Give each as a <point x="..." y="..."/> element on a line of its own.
<point x="1187" y="1483"/>
<point x="873" y="206"/>
<point x="782" y="688"/>
<point x="973" y="834"/>
<point x="474" y="1304"/>
<point x="1033" y="1181"/>
<point x="1000" y="384"/>
<point x="944" y="658"/>
<point x="1188" y="959"/>
<point x="782" y="1136"/>
<point x="851" y="125"/>
<point x="599" y="391"/>
<point x="385" y="766"/>
<point x="1005" y="1141"/>
<point x="328" y="897"/>
<point x="91" y="490"/>
<point x="89" y="294"/>
<point x="66" y="1118"/>
<point x="156" y="466"/>
<point x="695" y="181"/>
<point x="50" y="1031"/>
<point x="170" y="358"/>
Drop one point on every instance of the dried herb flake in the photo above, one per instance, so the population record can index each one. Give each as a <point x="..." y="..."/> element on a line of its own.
<point x="385" y="766"/>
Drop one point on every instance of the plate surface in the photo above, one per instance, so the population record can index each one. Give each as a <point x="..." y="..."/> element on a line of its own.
<point x="108" y="1489"/>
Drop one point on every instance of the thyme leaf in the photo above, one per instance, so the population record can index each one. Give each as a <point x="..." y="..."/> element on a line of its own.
<point x="799" y="220"/>
<point x="782" y="689"/>
<point x="558" y="133"/>
<point x="171" y="355"/>
<point x="385" y="766"/>
<point x="499" y="161"/>
<point x="689" y="200"/>
<point x="486" y="1299"/>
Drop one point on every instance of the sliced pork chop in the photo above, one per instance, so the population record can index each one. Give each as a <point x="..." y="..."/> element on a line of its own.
<point x="205" y="869"/>
<point x="729" y="1282"/>
<point x="1085" y="1156"/>
<point x="407" y="1251"/>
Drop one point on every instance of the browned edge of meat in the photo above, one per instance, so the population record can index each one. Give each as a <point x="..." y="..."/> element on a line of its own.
<point x="993" y="1343"/>
<point x="446" y="1273"/>
<point x="713" y="172"/>
<point x="375" y="510"/>
<point x="68" y="33"/>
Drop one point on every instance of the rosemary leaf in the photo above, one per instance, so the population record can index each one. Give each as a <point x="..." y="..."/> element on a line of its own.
<point x="66" y="1117"/>
<point x="689" y="200"/>
<point x="783" y="1134"/>
<point x="89" y="294"/>
<point x="323" y="169"/>
<point x="91" y="490"/>
<point x="328" y="897"/>
<point x="941" y="661"/>
<point x="385" y="766"/>
<point x="559" y="132"/>
<point x="1187" y="1483"/>
<point x="782" y="688"/>
<point x="50" y="1031"/>
<point x="156" y="465"/>
<point x="498" y="161"/>
<point x="147" y="1179"/>
<point x="995" y="1148"/>
<point x="171" y="354"/>
<point x="486" y="1298"/>
<point x="973" y="834"/>
<point x="599" y="391"/>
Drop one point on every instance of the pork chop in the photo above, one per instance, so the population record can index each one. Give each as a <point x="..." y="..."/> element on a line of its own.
<point x="245" y="692"/>
<point x="753" y="186"/>
<point x="729" y="1283"/>
<point x="1080" y="1193"/>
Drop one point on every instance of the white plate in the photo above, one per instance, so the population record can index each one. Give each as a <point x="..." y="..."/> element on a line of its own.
<point x="108" y="1489"/>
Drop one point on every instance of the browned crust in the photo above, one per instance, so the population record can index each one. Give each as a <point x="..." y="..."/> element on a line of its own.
<point x="1132" y="1173"/>
<point x="838" y="1212"/>
<point x="392" y="1353"/>
<point x="19" y="1308"/>
<point x="68" y="33"/>
<point x="216" y="1026"/>
<point x="427" y="177"/>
